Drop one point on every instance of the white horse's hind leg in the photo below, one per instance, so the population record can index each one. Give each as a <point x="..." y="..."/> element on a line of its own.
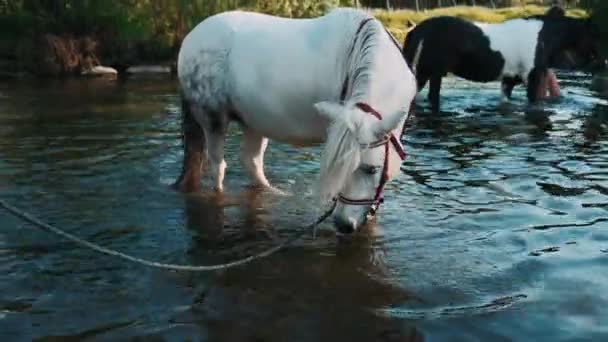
<point x="253" y="147"/>
<point x="215" y="125"/>
<point x="216" y="159"/>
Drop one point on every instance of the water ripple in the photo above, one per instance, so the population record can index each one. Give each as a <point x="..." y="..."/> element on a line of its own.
<point x="496" y="227"/>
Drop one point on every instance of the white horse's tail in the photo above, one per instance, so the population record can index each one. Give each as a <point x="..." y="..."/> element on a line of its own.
<point x="393" y="38"/>
<point x="193" y="143"/>
<point x="414" y="71"/>
<point x="417" y="56"/>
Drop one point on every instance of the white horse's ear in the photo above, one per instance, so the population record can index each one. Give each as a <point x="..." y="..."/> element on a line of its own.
<point x="354" y="119"/>
<point x="336" y="112"/>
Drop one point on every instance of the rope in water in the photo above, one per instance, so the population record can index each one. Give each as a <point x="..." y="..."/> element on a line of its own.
<point x="172" y="267"/>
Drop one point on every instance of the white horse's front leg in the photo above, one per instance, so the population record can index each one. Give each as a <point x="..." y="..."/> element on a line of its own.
<point x="253" y="147"/>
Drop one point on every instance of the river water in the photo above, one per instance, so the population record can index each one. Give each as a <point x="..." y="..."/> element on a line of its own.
<point x="497" y="228"/>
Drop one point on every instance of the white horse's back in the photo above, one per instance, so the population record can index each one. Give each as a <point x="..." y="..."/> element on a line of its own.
<point x="271" y="70"/>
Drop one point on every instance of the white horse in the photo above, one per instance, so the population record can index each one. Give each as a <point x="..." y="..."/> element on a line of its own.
<point x="339" y="79"/>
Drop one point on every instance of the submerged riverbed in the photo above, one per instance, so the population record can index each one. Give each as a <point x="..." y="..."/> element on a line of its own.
<point x="497" y="228"/>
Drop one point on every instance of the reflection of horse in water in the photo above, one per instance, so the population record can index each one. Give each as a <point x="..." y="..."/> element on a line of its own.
<point x="311" y="292"/>
<point x="596" y="124"/>
<point x="207" y="217"/>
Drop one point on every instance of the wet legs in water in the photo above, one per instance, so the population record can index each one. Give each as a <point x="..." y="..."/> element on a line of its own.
<point x="253" y="147"/>
<point x="215" y="127"/>
<point x="549" y="85"/>
<point x="203" y="141"/>
<point x="194" y="151"/>
<point x="434" y="89"/>
<point x="540" y="82"/>
<point x="508" y="83"/>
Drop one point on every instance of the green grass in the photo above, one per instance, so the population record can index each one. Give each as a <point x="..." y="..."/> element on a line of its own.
<point x="133" y="32"/>
<point x="396" y="21"/>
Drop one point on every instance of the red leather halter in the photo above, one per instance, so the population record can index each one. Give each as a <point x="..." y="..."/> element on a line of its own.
<point x="375" y="202"/>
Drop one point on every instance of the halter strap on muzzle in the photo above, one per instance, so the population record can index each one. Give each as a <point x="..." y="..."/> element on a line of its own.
<point x="375" y="202"/>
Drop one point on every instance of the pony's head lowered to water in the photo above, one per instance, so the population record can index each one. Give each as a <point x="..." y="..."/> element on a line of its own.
<point x="361" y="154"/>
<point x="588" y="46"/>
<point x="577" y="40"/>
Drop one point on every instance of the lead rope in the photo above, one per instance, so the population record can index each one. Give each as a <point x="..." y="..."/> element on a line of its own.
<point x="172" y="267"/>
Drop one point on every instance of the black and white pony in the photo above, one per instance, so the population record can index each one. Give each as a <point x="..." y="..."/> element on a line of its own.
<point x="339" y="79"/>
<point x="515" y="51"/>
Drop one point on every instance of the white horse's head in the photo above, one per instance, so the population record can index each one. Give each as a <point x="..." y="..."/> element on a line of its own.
<point x="361" y="154"/>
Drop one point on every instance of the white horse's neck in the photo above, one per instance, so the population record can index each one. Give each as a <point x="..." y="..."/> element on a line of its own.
<point x="380" y="74"/>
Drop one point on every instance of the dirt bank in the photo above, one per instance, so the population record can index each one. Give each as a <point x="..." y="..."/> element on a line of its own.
<point x="50" y="55"/>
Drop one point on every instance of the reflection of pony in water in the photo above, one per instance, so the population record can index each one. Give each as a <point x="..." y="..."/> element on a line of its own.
<point x="339" y="79"/>
<point x="515" y="51"/>
<point x="320" y="290"/>
<point x="206" y="218"/>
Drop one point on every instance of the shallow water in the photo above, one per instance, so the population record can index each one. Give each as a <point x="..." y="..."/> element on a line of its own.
<point x="497" y="228"/>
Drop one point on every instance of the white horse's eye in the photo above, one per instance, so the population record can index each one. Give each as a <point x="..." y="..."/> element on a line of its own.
<point x="369" y="169"/>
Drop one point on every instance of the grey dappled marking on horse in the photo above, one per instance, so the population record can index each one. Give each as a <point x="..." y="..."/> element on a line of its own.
<point x="343" y="82"/>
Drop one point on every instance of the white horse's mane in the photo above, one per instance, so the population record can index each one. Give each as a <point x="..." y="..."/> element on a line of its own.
<point x="342" y="152"/>
<point x="361" y="59"/>
<point x="340" y="158"/>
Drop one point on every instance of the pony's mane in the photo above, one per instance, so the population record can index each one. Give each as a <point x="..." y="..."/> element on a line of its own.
<point x="342" y="153"/>
<point x="361" y="56"/>
<point x="340" y="158"/>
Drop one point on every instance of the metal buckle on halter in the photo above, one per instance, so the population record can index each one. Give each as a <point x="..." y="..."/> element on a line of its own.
<point x="374" y="207"/>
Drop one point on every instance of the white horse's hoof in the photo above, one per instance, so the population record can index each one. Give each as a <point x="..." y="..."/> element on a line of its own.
<point x="279" y="192"/>
<point x="270" y="189"/>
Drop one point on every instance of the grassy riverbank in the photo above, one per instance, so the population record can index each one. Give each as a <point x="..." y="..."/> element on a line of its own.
<point x="396" y="21"/>
<point x="62" y="41"/>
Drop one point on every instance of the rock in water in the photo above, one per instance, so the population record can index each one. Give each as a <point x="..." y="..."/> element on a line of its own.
<point x="149" y="69"/>
<point x="100" y="71"/>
